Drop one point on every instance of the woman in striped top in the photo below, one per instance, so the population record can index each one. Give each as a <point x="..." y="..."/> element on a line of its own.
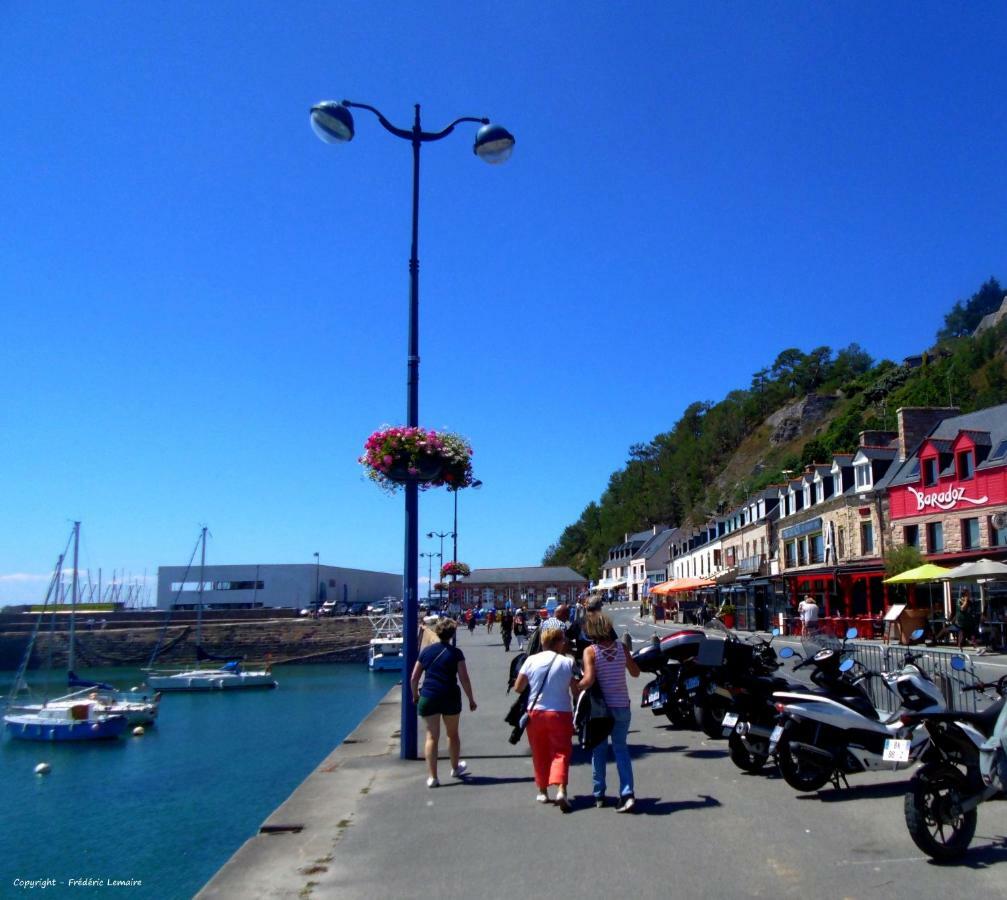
<point x="608" y="661"/>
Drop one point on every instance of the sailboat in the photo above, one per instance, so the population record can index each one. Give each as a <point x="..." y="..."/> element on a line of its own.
<point x="69" y="718"/>
<point x="229" y="676"/>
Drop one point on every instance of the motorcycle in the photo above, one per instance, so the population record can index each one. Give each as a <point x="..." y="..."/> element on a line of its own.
<point x="965" y="765"/>
<point x="672" y="660"/>
<point x="736" y="677"/>
<point x="828" y="735"/>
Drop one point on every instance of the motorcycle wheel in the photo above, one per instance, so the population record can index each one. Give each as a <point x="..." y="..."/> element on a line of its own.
<point x="933" y="814"/>
<point x="679" y="714"/>
<point x="744" y="758"/>
<point x="800" y="774"/>
<point x="710" y="718"/>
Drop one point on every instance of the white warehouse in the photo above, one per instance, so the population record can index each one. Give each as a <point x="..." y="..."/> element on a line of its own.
<point x="298" y="586"/>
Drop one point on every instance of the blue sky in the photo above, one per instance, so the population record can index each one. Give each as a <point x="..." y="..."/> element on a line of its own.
<point x="205" y="307"/>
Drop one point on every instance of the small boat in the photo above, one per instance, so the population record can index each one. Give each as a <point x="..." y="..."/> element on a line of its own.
<point x="385" y="650"/>
<point x="68" y="718"/>
<point x="229" y="676"/>
<point x="65" y="720"/>
<point x="385" y="654"/>
<point x="137" y="708"/>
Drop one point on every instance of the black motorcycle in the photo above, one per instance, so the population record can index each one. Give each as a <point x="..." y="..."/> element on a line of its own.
<point x="736" y="678"/>
<point x="672" y="660"/>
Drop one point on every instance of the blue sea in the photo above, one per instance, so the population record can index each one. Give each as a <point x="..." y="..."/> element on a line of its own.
<point x="168" y="809"/>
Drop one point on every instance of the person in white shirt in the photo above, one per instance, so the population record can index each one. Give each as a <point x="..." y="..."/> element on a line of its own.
<point x="807" y="609"/>
<point x="549" y="677"/>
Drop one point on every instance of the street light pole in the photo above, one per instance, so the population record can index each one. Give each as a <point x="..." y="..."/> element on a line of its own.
<point x="315" y="603"/>
<point x="333" y="123"/>
<point x="430" y="571"/>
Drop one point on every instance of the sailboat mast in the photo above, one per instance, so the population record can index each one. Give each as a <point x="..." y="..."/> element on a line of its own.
<point x="73" y="597"/>
<point x="199" y="600"/>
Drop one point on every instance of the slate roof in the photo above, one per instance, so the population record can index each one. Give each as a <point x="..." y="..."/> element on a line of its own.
<point x="524" y="574"/>
<point x="989" y="423"/>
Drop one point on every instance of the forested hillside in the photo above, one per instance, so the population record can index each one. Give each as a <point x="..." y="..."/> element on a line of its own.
<point x="801" y="409"/>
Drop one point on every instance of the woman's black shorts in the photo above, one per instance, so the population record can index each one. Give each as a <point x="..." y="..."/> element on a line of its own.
<point x="449" y="704"/>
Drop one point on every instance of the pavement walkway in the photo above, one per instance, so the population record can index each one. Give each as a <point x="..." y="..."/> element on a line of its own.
<point x="364" y="824"/>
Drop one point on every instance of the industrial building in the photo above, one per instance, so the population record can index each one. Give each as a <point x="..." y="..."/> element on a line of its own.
<point x="297" y="586"/>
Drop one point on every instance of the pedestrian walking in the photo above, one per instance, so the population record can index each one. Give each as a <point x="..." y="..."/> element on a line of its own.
<point x="807" y="609"/>
<point x="442" y="667"/>
<point x="506" y="628"/>
<point x="606" y="662"/>
<point x="491" y="616"/>
<point x="549" y="677"/>
<point x="520" y="628"/>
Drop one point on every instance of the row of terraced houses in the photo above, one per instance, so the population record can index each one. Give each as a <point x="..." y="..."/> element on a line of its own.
<point x="938" y="483"/>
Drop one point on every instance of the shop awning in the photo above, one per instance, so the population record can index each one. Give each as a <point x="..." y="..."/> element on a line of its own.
<point x="677" y="585"/>
<point x="926" y="572"/>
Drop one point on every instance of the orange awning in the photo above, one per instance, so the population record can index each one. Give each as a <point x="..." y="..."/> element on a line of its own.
<point x="677" y="585"/>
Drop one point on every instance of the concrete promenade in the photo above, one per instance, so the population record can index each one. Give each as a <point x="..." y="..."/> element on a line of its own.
<point x="364" y="824"/>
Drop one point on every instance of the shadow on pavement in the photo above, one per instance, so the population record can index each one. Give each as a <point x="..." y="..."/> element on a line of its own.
<point x="979" y="857"/>
<point x="858" y="792"/>
<point x="487" y="780"/>
<point x="706" y="754"/>
<point x="652" y="807"/>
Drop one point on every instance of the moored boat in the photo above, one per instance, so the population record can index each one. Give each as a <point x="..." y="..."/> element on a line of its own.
<point x="65" y="720"/>
<point x="229" y="676"/>
<point x="385" y="654"/>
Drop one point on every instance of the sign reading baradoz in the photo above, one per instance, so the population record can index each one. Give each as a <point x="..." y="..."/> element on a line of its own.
<point x="946" y="499"/>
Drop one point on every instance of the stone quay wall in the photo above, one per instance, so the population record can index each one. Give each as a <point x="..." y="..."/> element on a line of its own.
<point x="131" y="644"/>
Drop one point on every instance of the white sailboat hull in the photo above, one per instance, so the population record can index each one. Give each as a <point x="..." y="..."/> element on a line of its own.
<point x="210" y="680"/>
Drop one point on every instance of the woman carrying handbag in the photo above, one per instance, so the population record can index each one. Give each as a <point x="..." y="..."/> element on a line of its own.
<point x="549" y="675"/>
<point x="607" y="662"/>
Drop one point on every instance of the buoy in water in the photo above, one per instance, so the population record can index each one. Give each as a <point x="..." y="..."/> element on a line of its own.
<point x="138" y="731"/>
<point x="43" y="769"/>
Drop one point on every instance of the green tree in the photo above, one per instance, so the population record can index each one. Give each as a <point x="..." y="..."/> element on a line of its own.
<point x="966" y="315"/>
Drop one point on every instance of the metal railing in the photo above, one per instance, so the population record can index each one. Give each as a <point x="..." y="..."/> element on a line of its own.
<point x="935" y="663"/>
<point x="891" y="658"/>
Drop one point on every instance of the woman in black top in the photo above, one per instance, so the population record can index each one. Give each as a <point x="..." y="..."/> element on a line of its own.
<point x="440" y="698"/>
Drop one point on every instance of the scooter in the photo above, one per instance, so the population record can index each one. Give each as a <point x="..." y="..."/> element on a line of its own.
<point x="827" y="736"/>
<point x="965" y="765"/>
<point x="672" y="660"/>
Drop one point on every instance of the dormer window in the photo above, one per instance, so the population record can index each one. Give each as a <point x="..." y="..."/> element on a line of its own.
<point x="930" y="472"/>
<point x="837" y="482"/>
<point x="966" y="465"/>
<point x="862" y="473"/>
<point x="807" y="495"/>
<point x="819" y="490"/>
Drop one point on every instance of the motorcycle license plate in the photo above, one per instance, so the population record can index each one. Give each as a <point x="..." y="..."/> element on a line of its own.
<point x="896" y="751"/>
<point x="655" y="698"/>
<point x="774" y="738"/>
<point x="692" y="683"/>
<point x="729" y="721"/>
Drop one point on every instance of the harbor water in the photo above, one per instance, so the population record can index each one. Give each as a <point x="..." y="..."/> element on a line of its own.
<point x="159" y="814"/>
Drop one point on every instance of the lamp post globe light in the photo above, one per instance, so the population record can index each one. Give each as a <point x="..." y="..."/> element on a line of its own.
<point x="333" y="122"/>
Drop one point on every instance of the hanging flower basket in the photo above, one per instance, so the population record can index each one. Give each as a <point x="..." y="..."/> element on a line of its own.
<point x="401" y="454"/>
<point x="458" y="569"/>
<point x="441" y="586"/>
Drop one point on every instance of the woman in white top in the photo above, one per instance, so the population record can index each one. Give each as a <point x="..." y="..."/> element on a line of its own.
<point x="549" y="677"/>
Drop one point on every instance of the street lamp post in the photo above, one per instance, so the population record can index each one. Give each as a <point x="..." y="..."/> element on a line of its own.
<point x="430" y="571"/>
<point x="315" y="603"/>
<point x="441" y="535"/>
<point x="333" y="123"/>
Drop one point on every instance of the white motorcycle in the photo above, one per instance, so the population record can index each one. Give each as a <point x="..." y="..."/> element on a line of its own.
<point x="825" y="736"/>
<point x="965" y="765"/>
